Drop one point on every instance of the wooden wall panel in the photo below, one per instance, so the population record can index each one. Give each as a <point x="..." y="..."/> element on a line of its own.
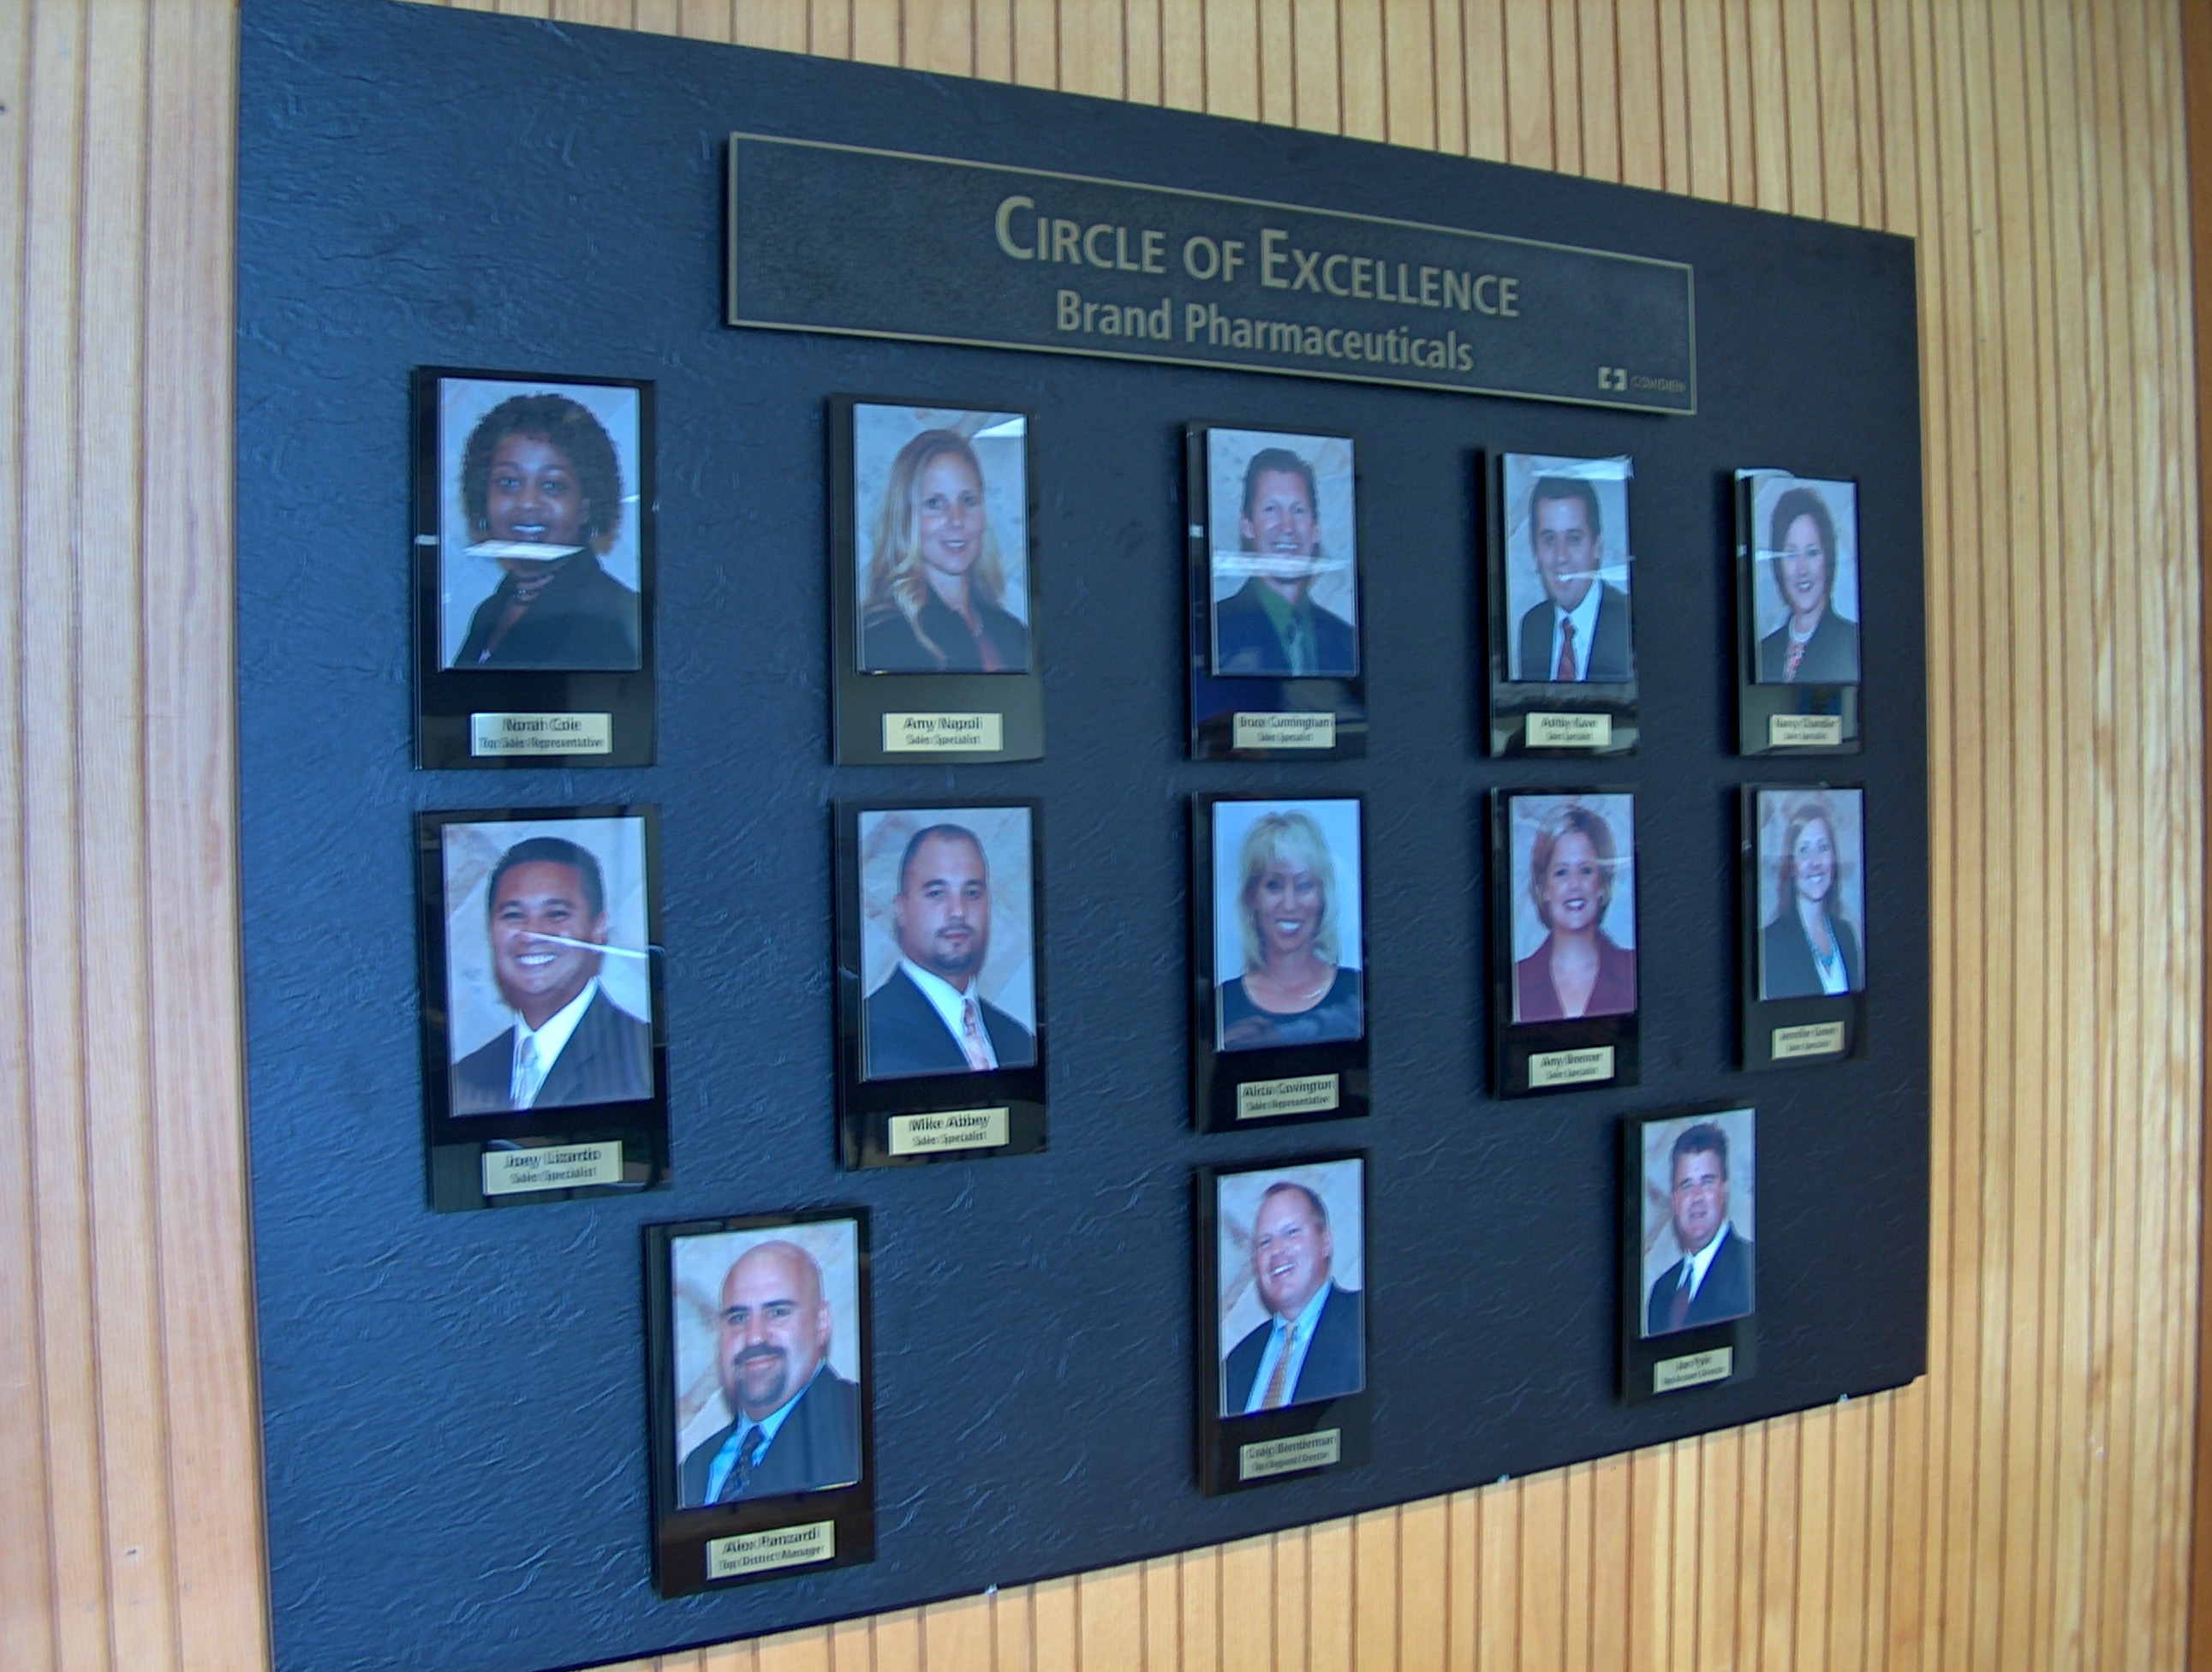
<point x="2026" y="1505"/>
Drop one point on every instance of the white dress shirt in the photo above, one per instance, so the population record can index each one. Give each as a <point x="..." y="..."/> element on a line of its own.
<point x="546" y="1043"/>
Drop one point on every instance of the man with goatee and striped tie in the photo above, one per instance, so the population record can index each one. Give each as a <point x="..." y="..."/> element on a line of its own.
<point x="1309" y="1347"/>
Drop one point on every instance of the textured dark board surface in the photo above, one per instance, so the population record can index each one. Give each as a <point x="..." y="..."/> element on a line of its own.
<point x="453" y="1406"/>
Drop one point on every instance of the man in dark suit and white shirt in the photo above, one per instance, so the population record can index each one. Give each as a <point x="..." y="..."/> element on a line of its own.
<point x="1712" y="1282"/>
<point x="1312" y="1342"/>
<point x="797" y="1426"/>
<point x="570" y="1043"/>
<point x="927" y="1017"/>
<point x="1579" y="633"/>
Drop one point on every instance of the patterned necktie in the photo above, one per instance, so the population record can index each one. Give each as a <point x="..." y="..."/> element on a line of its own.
<point x="971" y="1035"/>
<point x="1301" y="646"/>
<point x="527" y="1073"/>
<point x="1567" y="671"/>
<point x="1272" y="1399"/>
<point x="1679" y="1314"/>
<point x="1796" y="656"/>
<point x="741" y="1473"/>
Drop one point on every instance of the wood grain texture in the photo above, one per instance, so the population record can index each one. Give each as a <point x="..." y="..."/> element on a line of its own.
<point x="2028" y="1504"/>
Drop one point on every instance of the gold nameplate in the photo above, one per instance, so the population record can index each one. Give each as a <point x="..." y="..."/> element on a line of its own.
<point x="1303" y="1096"/>
<point x="1804" y="731"/>
<point x="783" y="1547"/>
<point x="1692" y="1370"/>
<point x="491" y="735"/>
<point x="551" y="1167"/>
<point x="1568" y="731"/>
<point x="1263" y="1459"/>
<point x="1286" y="732"/>
<point x="1813" y="1039"/>
<point x="1570" y="1068"/>
<point x="943" y="734"/>
<point x="955" y="1129"/>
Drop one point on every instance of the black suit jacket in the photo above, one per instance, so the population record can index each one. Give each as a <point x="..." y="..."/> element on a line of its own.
<point x="1245" y="641"/>
<point x="1831" y="657"/>
<point x="904" y="1035"/>
<point x="608" y="1059"/>
<point x="584" y="618"/>
<point x="1604" y="660"/>
<point x="1724" y="1294"/>
<point x="818" y="1445"/>
<point x="1332" y="1364"/>
<point x="1786" y="966"/>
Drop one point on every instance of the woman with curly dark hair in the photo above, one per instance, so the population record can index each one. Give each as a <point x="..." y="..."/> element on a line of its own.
<point x="542" y="490"/>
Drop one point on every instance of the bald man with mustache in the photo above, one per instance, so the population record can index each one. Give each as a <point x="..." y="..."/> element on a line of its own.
<point x="797" y="1424"/>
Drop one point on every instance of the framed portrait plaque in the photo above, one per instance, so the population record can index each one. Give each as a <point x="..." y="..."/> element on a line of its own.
<point x="1688" y="1295"/>
<point x="1277" y="671"/>
<point x="533" y="570"/>
<point x="933" y="584"/>
<point x="545" y="1070"/>
<point x="760" y="1396"/>
<point x="1804" y="924"/>
<point x="1561" y="633"/>
<point x="940" y="990"/>
<point x="1563" y="994"/>
<point x="1279" y="960"/>
<point x="1282" y="1320"/>
<point x="1797" y="686"/>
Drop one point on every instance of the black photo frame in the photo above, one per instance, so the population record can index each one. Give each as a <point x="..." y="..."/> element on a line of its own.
<point x="1811" y="707"/>
<point x="599" y="1138"/>
<point x="1245" y="701"/>
<point x="1314" y="1430"/>
<point x="900" y="711"/>
<point x="902" y="1094"/>
<point x="1673" y="1337"/>
<point x="1582" y="525"/>
<point x="825" y="1427"/>
<point x="1234" y="1087"/>
<point x="1789" y="1019"/>
<point x="1538" y="1051"/>
<point x="515" y="702"/>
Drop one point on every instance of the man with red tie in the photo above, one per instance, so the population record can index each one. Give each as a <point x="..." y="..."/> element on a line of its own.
<point x="1712" y="1282"/>
<point x="1312" y="1344"/>
<point x="1579" y="633"/>
<point x="927" y="1017"/>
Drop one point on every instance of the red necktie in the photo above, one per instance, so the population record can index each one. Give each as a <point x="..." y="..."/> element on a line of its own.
<point x="1567" y="672"/>
<point x="1796" y="656"/>
<point x="1677" y="1315"/>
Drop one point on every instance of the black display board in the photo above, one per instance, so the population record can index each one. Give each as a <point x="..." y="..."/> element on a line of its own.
<point x="454" y="1406"/>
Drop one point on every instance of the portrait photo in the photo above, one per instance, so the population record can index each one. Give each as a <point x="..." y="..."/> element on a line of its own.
<point x="767" y="1346"/>
<point x="1805" y="580"/>
<point x="541" y="524"/>
<point x="1281" y="554"/>
<point x="1291" y="1269"/>
<point x="1288" y="923"/>
<point x="1571" y="890"/>
<point x="549" y="975"/>
<point x="1812" y="892"/>
<point x="948" y="951"/>
<point x="1700" y="1178"/>
<point x="941" y="541"/>
<point x="1566" y="570"/>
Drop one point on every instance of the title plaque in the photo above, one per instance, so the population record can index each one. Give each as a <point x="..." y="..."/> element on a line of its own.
<point x="1067" y="264"/>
